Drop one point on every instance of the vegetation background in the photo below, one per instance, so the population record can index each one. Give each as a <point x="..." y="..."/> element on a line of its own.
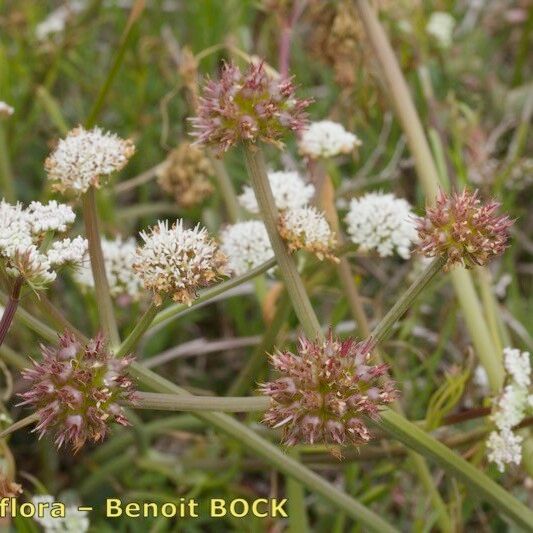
<point x="475" y="100"/>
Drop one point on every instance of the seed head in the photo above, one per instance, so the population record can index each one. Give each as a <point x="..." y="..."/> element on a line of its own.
<point x="463" y="230"/>
<point x="185" y="175"/>
<point x="325" y="391"/>
<point x="250" y="106"/>
<point x="85" y="156"/>
<point x="177" y="261"/>
<point x="75" y="390"/>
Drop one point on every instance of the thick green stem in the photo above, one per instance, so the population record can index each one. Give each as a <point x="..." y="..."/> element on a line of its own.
<point x="416" y="439"/>
<point x="481" y="337"/>
<point x="103" y="296"/>
<point x="273" y="456"/>
<point x="179" y="402"/>
<point x="302" y="306"/>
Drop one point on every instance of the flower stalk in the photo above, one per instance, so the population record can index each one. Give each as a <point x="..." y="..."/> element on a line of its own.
<point x="10" y="309"/>
<point x="177" y="402"/>
<point x="103" y="296"/>
<point x="255" y="165"/>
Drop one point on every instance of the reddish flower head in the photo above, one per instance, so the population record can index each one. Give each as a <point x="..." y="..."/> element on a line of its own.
<point x="325" y="391"/>
<point x="247" y="106"/>
<point x="462" y="230"/>
<point x="75" y="390"/>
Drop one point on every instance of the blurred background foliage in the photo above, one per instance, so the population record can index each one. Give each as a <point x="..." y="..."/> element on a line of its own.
<point x="475" y="98"/>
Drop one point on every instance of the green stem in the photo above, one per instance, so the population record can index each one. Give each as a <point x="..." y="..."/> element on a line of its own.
<point x="248" y="373"/>
<point x="481" y="336"/>
<point x="226" y="188"/>
<point x="416" y="439"/>
<point x="130" y="342"/>
<point x="298" y="520"/>
<point x="255" y="165"/>
<point x="6" y="173"/>
<point x="13" y="358"/>
<point x="176" y="310"/>
<point x="125" y="38"/>
<point x="103" y="296"/>
<point x="57" y="318"/>
<point x="272" y="455"/>
<point x="24" y="422"/>
<point x="384" y="328"/>
<point x="179" y="402"/>
<point x="52" y="108"/>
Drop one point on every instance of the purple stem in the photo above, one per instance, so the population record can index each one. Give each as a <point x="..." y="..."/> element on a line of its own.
<point x="286" y="37"/>
<point x="11" y="309"/>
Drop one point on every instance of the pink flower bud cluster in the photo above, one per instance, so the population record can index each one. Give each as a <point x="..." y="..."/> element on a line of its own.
<point x="325" y="392"/>
<point x="75" y="390"/>
<point x="463" y="230"/>
<point x="250" y="106"/>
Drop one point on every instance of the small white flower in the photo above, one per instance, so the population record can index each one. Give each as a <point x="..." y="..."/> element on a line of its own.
<point x="246" y="245"/>
<point x="22" y="233"/>
<point x="307" y="228"/>
<point x="510" y="407"/>
<point x="382" y="222"/>
<point x="6" y="110"/>
<point x="504" y="447"/>
<point x="440" y="26"/>
<point x="288" y="188"/>
<point x="15" y="229"/>
<point x="30" y="264"/>
<point x="327" y="139"/>
<point x="119" y="256"/>
<point x="71" y="251"/>
<point x="177" y="261"/>
<point x="518" y="366"/>
<point x="50" y="217"/>
<point x="84" y="156"/>
<point x="74" y="521"/>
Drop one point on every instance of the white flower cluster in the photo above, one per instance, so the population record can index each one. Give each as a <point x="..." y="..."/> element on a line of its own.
<point x="382" y="222"/>
<point x="510" y="408"/>
<point x="119" y="256"/>
<point x="6" y="110"/>
<point x="440" y="26"/>
<point x="246" y="245"/>
<point x="327" y="139"/>
<point x="288" y="188"/>
<point x="307" y="228"/>
<point x="177" y="261"/>
<point x="84" y="156"/>
<point x="74" y="521"/>
<point x="22" y="232"/>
